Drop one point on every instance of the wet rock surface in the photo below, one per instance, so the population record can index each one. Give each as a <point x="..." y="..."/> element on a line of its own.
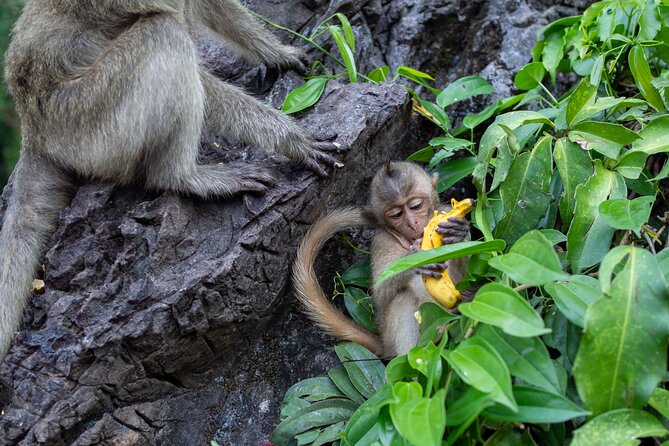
<point x="168" y="319"/>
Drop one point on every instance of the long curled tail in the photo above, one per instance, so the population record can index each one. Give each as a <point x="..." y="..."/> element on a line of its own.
<point x="40" y="192"/>
<point x="318" y="307"/>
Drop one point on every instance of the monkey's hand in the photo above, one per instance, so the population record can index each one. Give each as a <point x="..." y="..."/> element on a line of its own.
<point x="433" y="270"/>
<point x="454" y="230"/>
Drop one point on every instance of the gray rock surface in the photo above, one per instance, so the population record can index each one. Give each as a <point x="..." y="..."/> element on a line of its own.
<point x="167" y="319"/>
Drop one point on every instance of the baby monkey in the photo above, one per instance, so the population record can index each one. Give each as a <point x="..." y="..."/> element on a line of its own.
<point x="402" y="200"/>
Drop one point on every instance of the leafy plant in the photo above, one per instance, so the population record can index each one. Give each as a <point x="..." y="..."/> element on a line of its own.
<point x="566" y="340"/>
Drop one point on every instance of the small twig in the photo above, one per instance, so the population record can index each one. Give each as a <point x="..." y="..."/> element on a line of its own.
<point x="651" y="243"/>
<point x="522" y="287"/>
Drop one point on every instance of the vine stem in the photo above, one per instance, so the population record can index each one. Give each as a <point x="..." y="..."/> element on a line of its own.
<point x="522" y="287"/>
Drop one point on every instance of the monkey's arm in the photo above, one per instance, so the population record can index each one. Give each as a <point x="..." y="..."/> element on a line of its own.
<point x="385" y="250"/>
<point x="239" y="27"/>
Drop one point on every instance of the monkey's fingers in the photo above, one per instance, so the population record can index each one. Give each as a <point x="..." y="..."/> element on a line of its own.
<point x="415" y="246"/>
<point x="454" y="230"/>
<point x="318" y="157"/>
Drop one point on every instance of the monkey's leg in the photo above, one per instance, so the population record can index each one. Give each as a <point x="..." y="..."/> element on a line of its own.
<point x="232" y="112"/>
<point x="240" y="28"/>
<point x="40" y="192"/>
<point x="399" y="329"/>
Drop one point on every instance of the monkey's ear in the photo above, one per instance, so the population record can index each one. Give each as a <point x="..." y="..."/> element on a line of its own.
<point x="435" y="179"/>
<point x="369" y="215"/>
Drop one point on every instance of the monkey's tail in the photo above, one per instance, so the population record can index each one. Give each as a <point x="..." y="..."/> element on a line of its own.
<point x="307" y="289"/>
<point x="40" y="192"/>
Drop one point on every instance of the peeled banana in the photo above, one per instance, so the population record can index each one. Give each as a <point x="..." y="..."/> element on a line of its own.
<point x="442" y="289"/>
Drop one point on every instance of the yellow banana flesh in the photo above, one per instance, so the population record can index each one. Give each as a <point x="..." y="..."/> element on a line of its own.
<point x="442" y="289"/>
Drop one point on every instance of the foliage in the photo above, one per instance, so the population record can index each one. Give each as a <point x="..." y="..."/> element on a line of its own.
<point x="9" y="126"/>
<point x="566" y="340"/>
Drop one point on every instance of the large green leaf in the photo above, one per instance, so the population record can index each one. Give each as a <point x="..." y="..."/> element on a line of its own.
<point x="575" y="296"/>
<point x="631" y="164"/>
<point x="467" y="407"/>
<point x="531" y="260"/>
<point x="364" y="418"/>
<point x="321" y="413"/>
<point x="553" y="52"/>
<point x="536" y="406"/>
<point x="525" y="193"/>
<point x="604" y="137"/>
<point x="643" y="77"/>
<point x="623" y="352"/>
<point x="497" y="304"/>
<point x="649" y="22"/>
<point x="659" y="400"/>
<point x="575" y="167"/>
<point x="579" y="99"/>
<point x="314" y="389"/>
<point x="589" y="236"/>
<point x="340" y="378"/>
<point x="419" y="419"/>
<point x="618" y="427"/>
<point x="479" y="365"/>
<point x="529" y="76"/>
<point x="654" y="137"/>
<point x="305" y="95"/>
<point x="527" y="358"/>
<point x="463" y="88"/>
<point x="439" y="255"/>
<point x="359" y="306"/>
<point x="621" y="213"/>
<point x="453" y="171"/>
<point x="364" y="369"/>
<point x="345" y="51"/>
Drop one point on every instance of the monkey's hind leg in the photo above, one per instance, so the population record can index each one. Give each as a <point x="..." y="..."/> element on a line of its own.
<point x="40" y="192"/>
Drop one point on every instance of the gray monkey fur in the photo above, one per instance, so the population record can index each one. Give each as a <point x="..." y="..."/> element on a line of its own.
<point x="115" y="90"/>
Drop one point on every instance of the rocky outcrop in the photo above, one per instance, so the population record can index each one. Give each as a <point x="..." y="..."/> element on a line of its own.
<point x="168" y="319"/>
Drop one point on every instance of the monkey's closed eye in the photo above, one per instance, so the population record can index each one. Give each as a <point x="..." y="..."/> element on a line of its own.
<point x="416" y="205"/>
<point x="395" y="214"/>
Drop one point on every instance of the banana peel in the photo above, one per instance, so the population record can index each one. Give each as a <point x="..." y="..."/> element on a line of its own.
<point x="442" y="289"/>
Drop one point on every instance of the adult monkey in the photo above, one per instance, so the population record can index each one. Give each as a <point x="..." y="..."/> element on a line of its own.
<point x="401" y="201"/>
<point x="115" y="90"/>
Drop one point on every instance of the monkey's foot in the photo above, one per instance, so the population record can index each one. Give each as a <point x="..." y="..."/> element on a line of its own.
<point x="454" y="230"/>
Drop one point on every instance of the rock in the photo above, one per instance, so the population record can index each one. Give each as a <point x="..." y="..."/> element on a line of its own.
<point x="168" y="319"/>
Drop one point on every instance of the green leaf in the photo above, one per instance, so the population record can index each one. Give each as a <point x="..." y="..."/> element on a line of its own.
<point x="364" y="369"/>
<point x="314" y="389"/>
<point x="631" y="164"/>
<point x="453" y="171"/>
<point x="553" y="52"/>
<point x="623" y="352"/>
<point x="305" y="95"/>
<point x="463" y="88"/>
<point x="525" y="191"/>
<point x="399" y="368"/>
<point x="436" y="112"/>
<point x="340" y="378"/>
<point x="358" y="274"/>
<point x="321" y="413"/>
<point x="529" y="76"/>
<point x="654" y="137"/>
<point x="659" y="400"/>
<point x="643" y="77"/>
<point x="348" y="31"/>
<point x="432" y="316"/>
<point x="420" y="420"/>
<point x="597" y="70"/>
<point x="509" y="435"/>
<point x="663" y="261"/>
<point x="649" y="22"/>
<point x="472" y="121"/>
<point x="579" y="99"/>
<point x="417" y="76"/>
<point x="589" y="236"/>
<point x="364" y="418"/>
<point x="574" y="296"/>
<point x="448" y="142"/>
<point x="467" y="407"/>
<point x="621" y="213"/>
<point x="506" y="153"/>
<point x="527" y="358"/>
<point x="554" y="236"/>
<point x="618" y="427"/>
<point x="345" y="51"/>
<point x="499" y="305"/>
<point x="603" y="137"/>
<point x="439" y="255"/>
<point x="329" y="434"/>
<point x="380" y="74"/>
<point x="531" y="261"/>
<point x="479" y="365"/>
<point x="575" y="167"/>
<point x="359" y="306"/>
<point x="536" y="406"/>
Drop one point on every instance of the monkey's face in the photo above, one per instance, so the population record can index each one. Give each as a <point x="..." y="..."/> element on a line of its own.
<point x="407" y="218"/>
